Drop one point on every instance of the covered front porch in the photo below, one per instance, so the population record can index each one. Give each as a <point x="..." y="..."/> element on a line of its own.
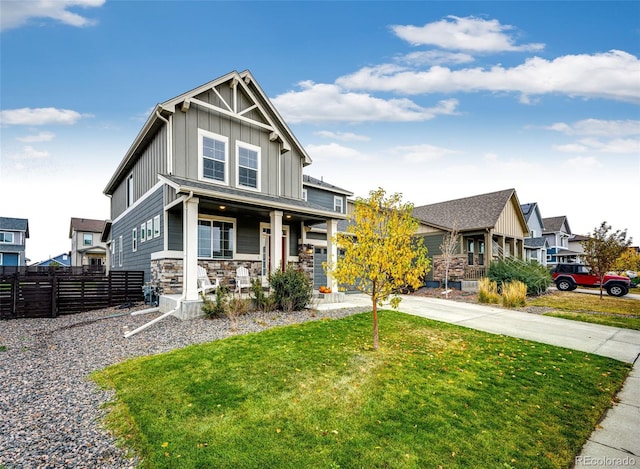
<point x="475" y="253"/>
<point x="222" y="230"/>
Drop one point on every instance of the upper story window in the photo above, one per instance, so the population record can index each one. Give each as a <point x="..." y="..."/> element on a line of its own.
<point x="212" y="156"/>
<point x="248" y="170"/>
<point x="338" y="204"/>
<point x="130" y="190"/>
<point x="6" y="237"/>
<point x="87" y="239"/>
<point x="304" y="194"/>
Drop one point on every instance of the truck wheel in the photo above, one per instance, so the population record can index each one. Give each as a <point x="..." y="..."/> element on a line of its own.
<point x="617" y="290"/>
<point x="565" y="285"/>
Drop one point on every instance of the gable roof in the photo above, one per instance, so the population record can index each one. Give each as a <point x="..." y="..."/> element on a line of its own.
<point x="85" y="224"/>
<point x="555" y="224"/>
<point x="469" y="213"/>
<point x="320" y="184"/>
<point x="529" y="209"/>
<point x="246" y="81"/>
<point x="538" y="242"/>
<point x="15" y="224"/>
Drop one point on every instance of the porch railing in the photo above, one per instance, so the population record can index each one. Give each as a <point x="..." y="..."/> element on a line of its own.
<point x="474" y="272"/>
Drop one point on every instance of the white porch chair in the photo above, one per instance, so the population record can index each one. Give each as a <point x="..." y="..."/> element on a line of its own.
<point x="205" y="285"/>
<point x="242" y="279"/>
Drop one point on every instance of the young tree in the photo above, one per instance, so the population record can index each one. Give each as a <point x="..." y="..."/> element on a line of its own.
<point x="382" y="255"/>
<point x="602" y="249"/>
<point x="448" y="248"/>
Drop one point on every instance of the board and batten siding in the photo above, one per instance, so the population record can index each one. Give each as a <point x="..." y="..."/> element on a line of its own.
<point x="324" y="198"/>
<point x="510" y="222"/>
<point x="152" y="161"/>
<point x="432" y="243"/>
<point x="147" y="210"/>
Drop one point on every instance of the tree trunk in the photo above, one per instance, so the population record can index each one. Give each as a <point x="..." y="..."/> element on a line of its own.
<point x="375" y="321"/>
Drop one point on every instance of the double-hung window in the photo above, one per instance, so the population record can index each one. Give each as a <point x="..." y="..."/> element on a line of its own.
<point x="87" y="239"/>
<point x="338" y="204"/>
<point x="212" y="157"/>
<point x="216" y="238"/>
<point x="248" y="170"/>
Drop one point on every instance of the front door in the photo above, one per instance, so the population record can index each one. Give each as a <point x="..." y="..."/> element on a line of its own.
<point x="265" y="250"/>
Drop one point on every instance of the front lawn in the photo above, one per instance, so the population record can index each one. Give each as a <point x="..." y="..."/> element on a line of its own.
<point x="315" y="395"/>
<point x="609" y="311"/>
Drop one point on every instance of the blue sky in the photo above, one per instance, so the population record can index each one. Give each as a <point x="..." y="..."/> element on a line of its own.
<point x="435" y="100"/>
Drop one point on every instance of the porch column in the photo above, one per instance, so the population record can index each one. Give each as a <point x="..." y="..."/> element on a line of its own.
<point x="332" y="252"/>
<point x="488" y="247"/>
<point x="190" y="253"/>
<point x="276" y="239"/>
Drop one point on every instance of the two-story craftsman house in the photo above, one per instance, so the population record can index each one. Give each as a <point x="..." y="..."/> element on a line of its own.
<point x="214" y="178"/>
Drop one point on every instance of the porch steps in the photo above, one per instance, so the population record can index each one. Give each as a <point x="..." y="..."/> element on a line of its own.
<point x="469" y="285"/>
<point x="327" y="298"/>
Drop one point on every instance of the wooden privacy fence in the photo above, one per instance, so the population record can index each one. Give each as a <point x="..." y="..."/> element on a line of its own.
<point x="29" y="294"/>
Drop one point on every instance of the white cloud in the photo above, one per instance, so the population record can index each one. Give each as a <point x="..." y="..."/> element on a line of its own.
<point x="469" y="34"/>
<point x="17" y="13"/>
<point x="334" y="151"/>
<point x="423" y="153"/>
<point x="329" y="103"/>
<point x="597" y="127"/>
<point x="343" y="136"/>
<point x="30" y="153"/>
<point x="39" y="137"/>
<point x="435" y="57"/>
<point x="583" y="163"/>
<point x="40" y="116"/>
<point x="610" y="75"/>
<point x="570" y="148"/>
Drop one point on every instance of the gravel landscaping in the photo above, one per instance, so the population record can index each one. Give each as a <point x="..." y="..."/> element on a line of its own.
<point x="50" y="413"/>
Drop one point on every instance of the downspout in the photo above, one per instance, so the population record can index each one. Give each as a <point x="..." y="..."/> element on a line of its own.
<point x="167" y="314"/>
<point x="169" y="141"/>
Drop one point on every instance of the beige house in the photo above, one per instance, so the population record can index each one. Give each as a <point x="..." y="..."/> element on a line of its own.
<point x="490" y="226"/>
<point x="87" y="249"/>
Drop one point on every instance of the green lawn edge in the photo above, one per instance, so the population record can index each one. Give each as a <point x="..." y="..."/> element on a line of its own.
<point x="317" y="395"/>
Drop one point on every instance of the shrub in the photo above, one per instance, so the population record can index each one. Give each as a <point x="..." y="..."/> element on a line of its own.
<point x="260" y="299"/>
<point x="215" y="308"/>
<point x="488" y="291"/>
<point x="536" y="277"/>
<point x="291" y="289"/>
<point x="236" y="307"/>
<point x="514" y="294"/>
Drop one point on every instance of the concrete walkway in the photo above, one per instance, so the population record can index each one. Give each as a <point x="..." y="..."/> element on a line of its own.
<point x="616" y="441"/>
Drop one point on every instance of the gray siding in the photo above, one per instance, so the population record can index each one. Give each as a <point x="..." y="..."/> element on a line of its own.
<point x="152" y="161"/>
<point x="324" y="198"/>
<point x="432" y="243"/>
<point x="141" y="259"/>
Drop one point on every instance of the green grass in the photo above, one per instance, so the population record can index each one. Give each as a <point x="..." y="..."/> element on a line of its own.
<point x="316" y="395"/>
<point x="609" y="311"/>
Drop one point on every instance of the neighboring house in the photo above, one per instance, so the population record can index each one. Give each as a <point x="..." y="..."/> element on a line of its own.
<point x="13" y="236"/>
<point x="536" y="245"/>
<point x="63" y="260"/>
<point x="214" y="178"/>
<point x="319" y="192"/>
<point x="87" y="247"/>
<point x="557" y="233"/>
<point x="491" y="226"/>
<point x="575" y="245"/>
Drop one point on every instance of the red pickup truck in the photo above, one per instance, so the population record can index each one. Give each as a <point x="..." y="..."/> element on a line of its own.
<point x="568" y="277"/>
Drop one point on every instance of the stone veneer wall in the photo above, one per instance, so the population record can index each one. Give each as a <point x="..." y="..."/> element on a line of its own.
<point x="167" y="273"/>
<point x="456" y="268"/>
<point x="305" y="260"/>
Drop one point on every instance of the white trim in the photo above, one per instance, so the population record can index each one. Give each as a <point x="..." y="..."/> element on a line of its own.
<point x="156" y="226"/>
<point x="258" y="150"/>
<point x="235" y="235"/>
<point x="233" y="114"/>
<point x="134" y="239"/>
<point x="167" y="255"/>
<point x="324" y="213"/>
<point x="335" y="199"/>
<point x="220" y="138"/>
<point x="248" y="257"/>
<point x="145" y="196"/>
